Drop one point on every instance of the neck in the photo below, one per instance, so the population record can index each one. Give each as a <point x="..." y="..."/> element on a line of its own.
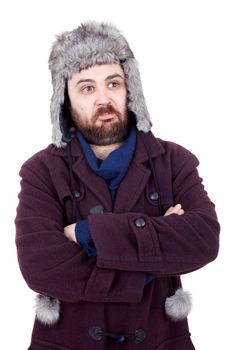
<point x="102" y="152"/>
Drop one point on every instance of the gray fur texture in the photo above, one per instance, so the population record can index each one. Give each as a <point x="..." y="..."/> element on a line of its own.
<point x="179" y="305"/>
<point x="47" y="309"/>
<point x="90" y="44"/>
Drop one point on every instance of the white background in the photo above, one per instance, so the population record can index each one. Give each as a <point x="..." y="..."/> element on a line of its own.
<point x="185" y="55"/>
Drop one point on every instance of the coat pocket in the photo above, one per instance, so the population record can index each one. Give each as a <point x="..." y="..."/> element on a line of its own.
<point x="38" y="344"/>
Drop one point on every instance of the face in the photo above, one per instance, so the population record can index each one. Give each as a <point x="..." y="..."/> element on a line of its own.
<point x="98" y="103"/>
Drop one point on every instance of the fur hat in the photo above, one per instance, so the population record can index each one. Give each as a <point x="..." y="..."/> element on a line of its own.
<point x="90" y="44"/>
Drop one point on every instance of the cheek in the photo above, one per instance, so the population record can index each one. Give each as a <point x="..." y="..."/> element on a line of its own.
<point x="120" y="98"/>
<point x="122" y="103"/>
<point x="84" y="112"/>
<point x="79" y="108"/>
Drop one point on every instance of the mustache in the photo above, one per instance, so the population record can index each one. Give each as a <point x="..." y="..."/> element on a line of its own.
<point x="104" y="110"/>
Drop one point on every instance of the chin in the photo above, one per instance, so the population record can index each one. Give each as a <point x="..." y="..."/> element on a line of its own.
<point x="106" y="141"/>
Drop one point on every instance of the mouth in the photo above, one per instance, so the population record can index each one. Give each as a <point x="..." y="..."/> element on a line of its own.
<point x="106" y="116"/>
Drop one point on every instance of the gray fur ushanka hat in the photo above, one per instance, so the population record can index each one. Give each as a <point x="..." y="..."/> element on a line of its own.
<point x="90" y="44"/>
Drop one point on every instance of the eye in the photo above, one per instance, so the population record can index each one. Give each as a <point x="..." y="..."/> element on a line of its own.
<point x="87" y="88"/>
<point x="113" y="84"/>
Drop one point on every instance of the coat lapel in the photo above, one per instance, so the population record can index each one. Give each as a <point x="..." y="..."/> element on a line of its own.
<point x="93" y="183"/>
<point x="137" y="176"/>
<point x="131" y="187"/>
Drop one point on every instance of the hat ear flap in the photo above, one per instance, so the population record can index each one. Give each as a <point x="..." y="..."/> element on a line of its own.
<point x="58" y="109"/>
<point x="65" y="126"/>
<point x="136" y="99"/>
<point x="66" y="123"/>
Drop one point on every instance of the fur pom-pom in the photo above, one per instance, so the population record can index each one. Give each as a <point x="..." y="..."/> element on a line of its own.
<point x="178" y="306"/>
<point x="47" y="309"/>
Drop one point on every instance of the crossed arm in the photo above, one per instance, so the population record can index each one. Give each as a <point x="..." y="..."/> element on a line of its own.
<point x="69" y="231"/>
<point x="56" y="266"/>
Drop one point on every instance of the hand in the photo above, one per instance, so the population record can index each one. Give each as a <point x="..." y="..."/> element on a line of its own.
<point x="69" y="232"/>
<point x="177" y="209"/>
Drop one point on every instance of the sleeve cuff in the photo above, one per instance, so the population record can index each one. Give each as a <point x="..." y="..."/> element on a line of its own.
<point x="83" y="237"/>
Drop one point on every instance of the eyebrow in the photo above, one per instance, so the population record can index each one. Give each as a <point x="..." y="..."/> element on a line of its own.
<point x="109" y="77"/>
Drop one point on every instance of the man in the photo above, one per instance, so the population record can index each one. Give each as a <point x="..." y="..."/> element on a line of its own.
<point x="109" y="216"/>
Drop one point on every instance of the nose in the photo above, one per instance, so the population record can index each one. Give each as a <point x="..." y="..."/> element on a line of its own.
<point x="102" y="97"/>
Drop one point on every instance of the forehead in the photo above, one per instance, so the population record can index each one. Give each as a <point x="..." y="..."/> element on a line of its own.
<point x="99" y="72"/>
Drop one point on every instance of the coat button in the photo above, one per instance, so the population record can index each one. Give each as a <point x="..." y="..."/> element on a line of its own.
<point x="96" y="332"/>
<point x="120" y="339"/>
<point x="77" y="194"/>
<point x="139" y="335"/>
<point x="140" y="222"/>
<point x="154" y="196"/>
<point x="98" y="209"/>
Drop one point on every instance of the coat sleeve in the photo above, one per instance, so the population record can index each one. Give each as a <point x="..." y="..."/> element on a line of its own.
<point x="165" y="245"/>
<point x="50" y="263"/>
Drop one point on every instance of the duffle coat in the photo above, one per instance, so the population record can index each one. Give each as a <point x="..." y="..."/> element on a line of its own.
<point x="131" y="240"/>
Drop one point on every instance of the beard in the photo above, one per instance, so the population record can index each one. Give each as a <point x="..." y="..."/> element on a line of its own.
<point x="109" y="132"/>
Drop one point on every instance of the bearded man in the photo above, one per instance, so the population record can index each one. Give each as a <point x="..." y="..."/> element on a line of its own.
<point x="109" y="216"/>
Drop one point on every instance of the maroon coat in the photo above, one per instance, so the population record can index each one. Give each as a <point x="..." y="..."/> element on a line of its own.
<point x="110" y="291"/>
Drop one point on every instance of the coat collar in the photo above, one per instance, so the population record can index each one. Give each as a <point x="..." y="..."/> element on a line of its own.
<point x="134" y="182"/>
<point x="140" y="156"/>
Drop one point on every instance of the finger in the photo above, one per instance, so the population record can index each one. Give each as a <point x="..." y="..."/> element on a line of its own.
<point x="180" y="212"/>
<point x="168" y="211"/>
<point x="177" y="209"/>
